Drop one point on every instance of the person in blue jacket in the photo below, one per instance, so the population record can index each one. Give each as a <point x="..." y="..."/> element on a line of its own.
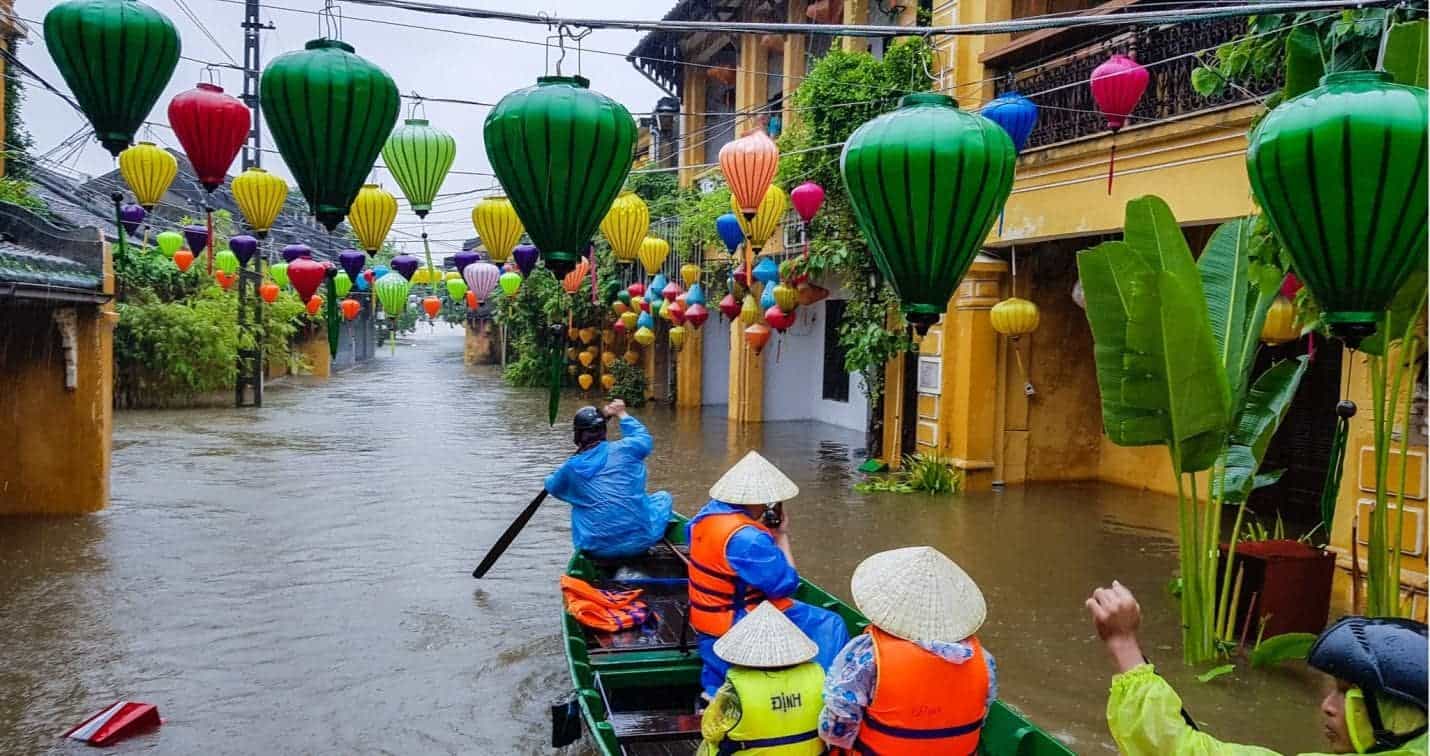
<point x="612" y="516"/>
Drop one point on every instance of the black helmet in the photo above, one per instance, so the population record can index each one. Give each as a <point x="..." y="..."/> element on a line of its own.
<point x="1382" y="657"/>
<point x="588" y="418"/>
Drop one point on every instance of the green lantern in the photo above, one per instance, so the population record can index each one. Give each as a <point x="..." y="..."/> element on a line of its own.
<point x="562" y="153"/>
<point x="456" y="289"/>
<point x="509" y="282"/>
<point x="279" y="273"/>
<point x="330" y="112"/>
<point x="226" y="261"/>
<point x="927" y="182"/>
<point x="116" y="56"/>
<point x="1340" y="173"/>
<point x="169" y="242"/>
<point x="392" y="292"/>
<point x="342" y="283"/>
<point x="419" y="156"/>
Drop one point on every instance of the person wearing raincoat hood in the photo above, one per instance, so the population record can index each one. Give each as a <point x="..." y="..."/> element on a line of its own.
<point x="612" y="516"/>
<point x="1377" y="704"/>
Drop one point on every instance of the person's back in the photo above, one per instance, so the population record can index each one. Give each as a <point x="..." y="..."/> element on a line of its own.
<point x="604" y="482"/>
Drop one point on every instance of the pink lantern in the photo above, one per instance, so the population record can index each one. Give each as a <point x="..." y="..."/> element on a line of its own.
<point x="807" y="198"/>
<point x="481" y="278"/>
<point x="1117" y="86"/>
<point x="671" y="291"/>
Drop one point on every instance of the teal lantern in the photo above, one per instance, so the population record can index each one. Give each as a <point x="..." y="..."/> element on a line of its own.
<point x="392" y="292"/>
<point x="926" y="182"/>
<point x="562" y="153"/>
<point x="1340" y="174"/>
<point x="342" y="283"/>
<point x="116" y="56"/>
<point x="330" y="112"/>
<point x="419" y="156"/>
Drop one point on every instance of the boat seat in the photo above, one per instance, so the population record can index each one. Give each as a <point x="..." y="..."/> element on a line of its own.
<point x="655" y="726"/>
<point x="669" y="604"/>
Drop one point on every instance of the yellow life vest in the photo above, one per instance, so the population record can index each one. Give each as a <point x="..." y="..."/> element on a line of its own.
<point x="779" y="711"/>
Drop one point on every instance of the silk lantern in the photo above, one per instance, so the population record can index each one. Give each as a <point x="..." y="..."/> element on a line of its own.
<point x="749" y="310"/>
<point x="690" y="274"/>
<point x="631" y="357"/>
<point x="244" y="247"/>
<point x="1280" y="325"/>
<point x="696" y="315"/>
<point x="371" y="216"/>
<point x="608" y="381"/>
<point x="352" y="261"/>
<point x="305" y="275"/>
<point x="1117" y="86"/>
<point x="260" y="196"/>
<point x="130" y="216"/>
<point x="225" y="280"/>
<point x="197" y="237"/>
<point x="169" y="242"/>
<point x="1340" y="173"/>
<point x="279" y="273"/>
<point x="342" y="283"/>
<point x="767" y="298"/>
<point x="330" y="112"/>
<point x="670" y="291"/>
<point x="351" y="308"/>
<point x="696" y="295"/>
<point x="1016" y="114"/>
<point x="526" y="256"/>
<point x="657" y="284"/>
<point x="432" y="305"/>
<point x="419" y="156"/>
<point x="510" y="283"/>
<point x="456" y="288"/>
<point x="584" y="380"/>
<point x="573" y="279"/>
<point x="116" y="56"/>
<point x="498" y="226"/>
<point x="268" y="292"/>
<point x="561" y="187"/>
<point x="757" y="335"/>
<point x="779" y="319"/>
<point x="1014" y="317"/>
<point x="730" y="231"/>
<point x="653" y="252"/>
<point x="645" y="320"/>
<point x="767" y="271"/>
<point x="297" y="252"/>
<point x="636" y="289"/>
<point x="148" y="171"/>
<point x="212" y="128"/>
<point x="481" y="278"/>
<point x="766" y="221"/>
<point x="786" y="297"/>
<point x="183" y="258"/>
<point x="729" y="307"/>
<point x="392" y="292"/>
<point x="472" y="302"/>
<point x="226" y="261"/>
<point x="628" y="320"/>
<point x="677" y="337"/>
<point x="926" y="182"/>
<point x="645" y="336"/>
<point x="625" y="226"/>
<point x="807" y="198"/>
<point x="406" y="266"/>
<point x="314" y="304"/>
<point x="749" y="164"/>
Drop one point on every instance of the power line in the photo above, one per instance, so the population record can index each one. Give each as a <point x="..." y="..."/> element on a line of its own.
<point x="184" y="8"/>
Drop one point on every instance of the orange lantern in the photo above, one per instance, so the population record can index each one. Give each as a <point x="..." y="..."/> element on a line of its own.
<point x="608" y="359"/>
<point x="587" y="334"/>
<point x="269" y="292"/>
<point x="351" y="308"/>
<point x="632" y="357"/>
<point x="224" y="280"/>
<point x="183" y="258"/>
<point x="572" y="282"/>
<point x="749" y="165"/>
<point x="585" y="380"/>
<point x="315" y="304"/>
<point x="619" y="307"/>
<point x="432" y="305"/>
<point x="472" y="302"/>
<point x="608" y="381"/>
<point x="757" y="336"/>
<point x="586" y="358"/>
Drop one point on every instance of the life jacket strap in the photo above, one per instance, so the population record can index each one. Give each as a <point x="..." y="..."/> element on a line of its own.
<point x="921" y="734"/>
<point x="729" y="745"/>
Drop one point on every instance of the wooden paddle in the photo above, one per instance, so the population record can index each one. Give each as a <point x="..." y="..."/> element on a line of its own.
<point x="509" y="536"/>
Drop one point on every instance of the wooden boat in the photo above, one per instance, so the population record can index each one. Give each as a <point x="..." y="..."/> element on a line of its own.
<point x="636" y="690"/>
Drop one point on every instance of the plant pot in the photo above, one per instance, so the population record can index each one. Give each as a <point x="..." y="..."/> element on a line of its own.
<point x="1287" y="584"/>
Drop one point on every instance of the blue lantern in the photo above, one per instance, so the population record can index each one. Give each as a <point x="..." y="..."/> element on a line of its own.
<point x="380" y="271"/>
<point x="645" y="321"/>
<point x="767" y="300"/>
<point x="1016" y="114"/>
<point x="767" y="271"/>
<point x="728" y="226"/>
<point x="361" y="282"/>
<point x="696" y="295"/>
<point x="657" y="285"/>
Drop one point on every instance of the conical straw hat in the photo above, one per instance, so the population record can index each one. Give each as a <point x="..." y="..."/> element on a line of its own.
<point x="918" y="594"/>
<point x="765" y="638"/>
<point x="753" y="480"/>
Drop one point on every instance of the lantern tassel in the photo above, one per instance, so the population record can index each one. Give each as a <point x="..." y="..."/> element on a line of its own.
<point x="427" y="250"/>
<point x="1111" y="160"/>
<point x="334" y="330"/>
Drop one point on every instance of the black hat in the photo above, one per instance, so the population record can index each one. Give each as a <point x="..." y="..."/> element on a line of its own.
<point x="588" y="418"/>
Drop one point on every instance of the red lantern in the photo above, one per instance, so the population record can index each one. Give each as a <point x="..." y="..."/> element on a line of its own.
<point x="183" y="258"/>
<point x="779" y="319"/>
<point x="351" y="308"/>
<point x="729" y="307"/>
<point x="619" y="327"/>
<point x="1117" y="86"/>
<point x="636" y="289"/>
<point x="269" y="292"/>
<point x="305" y="275"/>
<point x="472" y="302"/>
<point x="740" y="277"/>
<point x="1291" y="286"/>
<point x="671" y="291"/>
<point x="315" y="304"/>
<point x="696" y="315"/>
<point x="224" y="280"/>
<point x="369" y="276"/>
<point x="757" y="336"/>
<point x="807" y="198"/>
<point x="645" y="305"/>
<point x="432" y="305"/>
<point x="212" y="127"/>
<point x="677" y="313"/>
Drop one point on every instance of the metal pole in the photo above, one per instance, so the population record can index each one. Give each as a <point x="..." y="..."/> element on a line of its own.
<point x="250" y="307"/>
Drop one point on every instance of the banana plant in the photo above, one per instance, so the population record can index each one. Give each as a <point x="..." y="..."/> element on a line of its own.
<point x="1175" y="342"/>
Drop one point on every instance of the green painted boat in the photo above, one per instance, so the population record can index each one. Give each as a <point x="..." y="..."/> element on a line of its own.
<point x="636" y="690"/>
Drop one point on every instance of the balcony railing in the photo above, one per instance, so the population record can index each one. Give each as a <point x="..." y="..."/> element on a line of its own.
<point x="1060" y="85"/>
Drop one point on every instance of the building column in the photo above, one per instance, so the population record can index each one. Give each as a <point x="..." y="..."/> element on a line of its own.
<point x="856" y="13"/>
<point x="750" y="83"/>
<point x="794" y="65"/>
<point x="967" y="419"/>
<point x="747" y="377"/>
<point x="692" y="104"/>
<point x="893" y="441"/>
<point x="688" y="369"/>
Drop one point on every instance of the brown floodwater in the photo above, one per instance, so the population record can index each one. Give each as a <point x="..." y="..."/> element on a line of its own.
<point x="297" y="579"/>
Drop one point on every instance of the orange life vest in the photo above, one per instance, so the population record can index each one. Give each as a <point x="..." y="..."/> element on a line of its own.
<point x="715" y="590"/>
<point x="923" y="704"/>
<point x="599" y="609"/>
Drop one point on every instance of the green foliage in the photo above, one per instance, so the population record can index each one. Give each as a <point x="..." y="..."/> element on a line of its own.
<point x="1266" y="406"/>
<point x="1406" y="54"/>
<point x="630" y="385"/>
<point x="1282" y="648"/>
<point x="542" y="303"/>
<point x="1216" y="672"/>
<point x="18" y="141"/>
<point x="19" y="192"/>
<point x="659" y="189"/>
<point x="927" y="473"/>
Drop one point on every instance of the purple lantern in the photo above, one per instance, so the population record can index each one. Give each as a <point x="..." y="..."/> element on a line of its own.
<point x="197" y="238"/>
<point x="406" y="265"/>
<point x="481" y="278"/>
<point x="464" y="258"/>
<point x="131" y="215"/>
<point x="294" y="251"/>
<point x="526" y="256"/>
<point x="352" y="261"/>
<point x="244" y="247"/>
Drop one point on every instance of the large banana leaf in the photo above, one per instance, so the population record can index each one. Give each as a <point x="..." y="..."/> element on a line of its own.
<point x="1406" y="54"/>
<point x="1266" y="406"/>
<point x="1238" y="295"/>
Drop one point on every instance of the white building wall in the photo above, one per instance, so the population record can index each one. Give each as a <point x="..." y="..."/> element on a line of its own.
<point x="715" y="360"/>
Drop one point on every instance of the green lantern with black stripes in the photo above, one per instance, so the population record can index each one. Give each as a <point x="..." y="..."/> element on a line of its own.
<point x="419" y="155"/>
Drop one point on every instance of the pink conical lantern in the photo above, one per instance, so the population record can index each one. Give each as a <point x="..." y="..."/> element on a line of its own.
<point x="749" y="165"/>
<point x="807" y="198"/>
<point x="1117" y="86"/>
<point x="671" y="291"/>
<point x="481" y="278"/>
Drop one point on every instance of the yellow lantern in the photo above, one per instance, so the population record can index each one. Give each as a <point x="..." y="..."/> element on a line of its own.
<point x="749" y="310"/>
<point x="626" y="225"/>
<point x="767" y="217"/>
<point x="632" y="357"/>
<point x="1014" y="317"/>
<point x="689" y="273"/>
<point x="585" y="380"/>
<point x="586" y="359"/>
<point x="608" y="381"/>
<point x="653" y="252"/>
<point x="628" y="319"/>
<point x="452" y="275"/>
<point x="645" y="336"/>
<point x="572" y="333"/>
<point x="148" y="171"/>
<point x="677" y="338"/>
<point x="587" y="334"/>
<point x="608" y="359"/>
<point x="498" y="226"/>
<point x="371" y="216"/>
<point x="787" y="297"/>
<point x="260" y="196"/>
<point x="427" y="276"/>
<point x="1280" y="326"/>
<point x="570" y="353"/>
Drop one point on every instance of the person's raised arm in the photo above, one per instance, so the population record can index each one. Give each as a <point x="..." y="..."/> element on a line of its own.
<point x="634" y="436"/>
<point x="760" y="561"/>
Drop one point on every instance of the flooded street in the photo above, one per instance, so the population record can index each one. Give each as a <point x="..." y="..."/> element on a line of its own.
<point x="296" y="579"/>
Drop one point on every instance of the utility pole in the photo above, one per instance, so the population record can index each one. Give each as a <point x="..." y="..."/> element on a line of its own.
<point x="250" y="314"/>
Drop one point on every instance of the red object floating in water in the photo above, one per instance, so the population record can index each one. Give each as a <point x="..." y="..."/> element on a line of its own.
<point x="122" y="720"/>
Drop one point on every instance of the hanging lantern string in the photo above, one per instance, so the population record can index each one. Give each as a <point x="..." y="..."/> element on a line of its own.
<point x="330" y="21"/>
<point x="417" y="104"/>
<point x="210" y="74"/>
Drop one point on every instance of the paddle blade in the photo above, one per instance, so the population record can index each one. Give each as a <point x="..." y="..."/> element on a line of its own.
<point x="510" y="535"/>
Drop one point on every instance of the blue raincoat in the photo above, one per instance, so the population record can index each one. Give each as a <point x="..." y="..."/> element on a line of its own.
<point x="758" y="561"/>
<point x="611" y="514"/>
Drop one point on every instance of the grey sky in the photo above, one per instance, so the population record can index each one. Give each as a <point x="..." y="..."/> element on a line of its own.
<point x="433" y="61"/>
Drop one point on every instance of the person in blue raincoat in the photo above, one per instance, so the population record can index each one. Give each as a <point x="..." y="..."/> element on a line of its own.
<point x="740" y="556"/>
<point x="612" y="516"/>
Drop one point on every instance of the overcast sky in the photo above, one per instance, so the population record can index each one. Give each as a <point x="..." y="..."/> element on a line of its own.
<point x="439" y="60"/>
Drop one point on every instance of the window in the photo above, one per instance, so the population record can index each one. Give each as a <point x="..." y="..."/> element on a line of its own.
<point x="836" y="380"/>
